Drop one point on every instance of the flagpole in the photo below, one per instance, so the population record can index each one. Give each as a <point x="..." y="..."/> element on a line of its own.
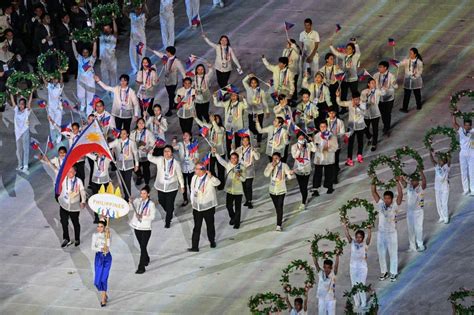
<point x="287" y="36"/>
<point x="200" y="25"/>
<point x="263" y="81"/>
<point x="46" y="147"/>
<point x="72" y="117"/>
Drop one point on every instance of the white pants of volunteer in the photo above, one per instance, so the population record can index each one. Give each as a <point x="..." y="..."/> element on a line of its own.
<point x="56" y="115"/>
<point x="415" y="228"/>
<point x="135" y="58"/>
<point x="466" y="161"/>
<point x="192" y="9"/>
<point x="108" y="71"/>
<point x="85" y="93"/>
<point x="388" y="242"/>
<point x="23" y="149"/>
<point x="327" y="307"/>
<point x="442" y="196"/>
<point x="359" y="274"/>
<point x="167" y="28"/>
<point x="314" y="65"/>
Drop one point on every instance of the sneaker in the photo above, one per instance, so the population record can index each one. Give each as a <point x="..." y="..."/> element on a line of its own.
<point x="316" y="193"/>
<point x="77" y="243"/>
<point x="373" y="148"/>
<point x="193" y="250"/>
<point x="383" y="276"/>
<point x="66" y="243"/>
<point x="421" y="248"/>
<point x="167" y="225"/>
<point x="330" y="191"/>
<point x="19" y="168"/>
<point x="301" y="207"/>
<point x="213" y="245"/>
<point x="411" y="249"/>
<point x="441" y="220"/>
<point x="360" y="159"/>
<point x="246" y="204"/>
<point x="250" y="206"/>
<point x="349" y="162"/>
<point x="393" y="278"/>
<point x="446" y="221"/>
<point x="140" y="271"/>
<point x="404" y="110"/>
<point x="25" y="170"/>
<point x="278" y="228"/>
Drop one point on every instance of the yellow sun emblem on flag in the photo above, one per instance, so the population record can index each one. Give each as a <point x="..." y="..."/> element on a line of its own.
<point x="93" y="137"/>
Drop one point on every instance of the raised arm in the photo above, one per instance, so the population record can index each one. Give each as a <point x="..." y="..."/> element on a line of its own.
<point x="433" y="160"/>
<point x="209" y="42"/>
<point x="114" y="27"/>
<point x="348" y="234"/>
<point x="94" y="49"/>
<point x="369" y="235"/>
<point x="374" y="192"/>
<point x="423" y="180"/>
<point x="12" y="100"/>
<point x="455" y="122"/>
<point x="399" y="193"/>
<point x="336" y="264"/>
<point x="316" y="264"/>
<point x="28" y="104"/>
<point x="234" y="59"/>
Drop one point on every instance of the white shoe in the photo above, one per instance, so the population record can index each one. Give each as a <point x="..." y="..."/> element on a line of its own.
<point x="421" y="248"/>
<point x="278" y="228"/>
<point x="465" y="193"/>
<point x="302" y="207"/>
<point x="446" y="221"/>
<point x="221" y="4"/>
<point x="440" y="220"/>
<point x="411" y="250"/>
<point x="25" y="170"/>
<point x="19" y="168"/>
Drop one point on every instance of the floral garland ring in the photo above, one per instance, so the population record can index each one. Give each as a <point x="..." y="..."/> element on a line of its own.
<point x="446" y="131"/>
<point x="60" y="67"/>
<point x="454" y="101"/>
<point x="394" y="165"/>
<point x="461" y="294"/>
<point x="407" y="151"/>
<point x="20" y="76"/>
<point x="354" y="203"/>
<point x="293" y="266"/>
<point x="359" y="288"/>
<point x="330" y="236"/>
<point x="266" y="303"/>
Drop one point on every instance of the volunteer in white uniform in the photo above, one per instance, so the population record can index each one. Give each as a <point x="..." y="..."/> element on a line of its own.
<point x="55" y="107"/>
<point x="85" y="77"/>
<point x="137" y="36"/>
<point x="167" y="22"/>
<point x="442" y="168"/>
<point x="326" y="291"/>
<point x="309" y="40"/>
<point x="466" y="155"/>
<point x="22" y="131"/>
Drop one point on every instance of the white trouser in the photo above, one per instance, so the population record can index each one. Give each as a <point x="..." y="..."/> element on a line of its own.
<point x="442" y="196"/>
<point x="192" y="9"/>
<point x="108" y="71"/>
<point x="217" y="2"/>
<point x="327" y="307"/>
<point x="167" y="28"/>
<point x="56" y="115"/>
<point x="23" y="149"/>
<point x="85" y="93"/>
<point x="136" y="59"/>
<point x="388" y="242"/>
<point x="415" y="228"/>
<point x="314" y="65"/>
<point x="466" y="161"/>
<point x="359" y="274"/>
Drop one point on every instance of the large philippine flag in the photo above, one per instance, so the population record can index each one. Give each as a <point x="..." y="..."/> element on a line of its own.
<point x="90" y="140"/>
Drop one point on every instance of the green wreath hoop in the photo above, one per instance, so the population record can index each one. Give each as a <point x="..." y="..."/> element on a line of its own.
<point x="133" y="4"/>
<point x="356" y="202"/>
<point x="85" y="35"/>
<point x="330" y="236"/>
<point x="103" y="14"/>
<point x="285" y="277"/>
<point x="446" y="131"/>
<point x="394" y="165"/>
<point x="19" y="76"/>
<point x="407" y="151"/>
<point x="359" y="288"/>
<point x="461" y="294"/>
<point x="454" y="101"/>
<point x="61" y="66"/>
<point x="265" y="303"/>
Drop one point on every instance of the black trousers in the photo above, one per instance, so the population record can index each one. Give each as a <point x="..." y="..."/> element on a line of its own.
<point x="127" y="179"/>
<point x="144" y="171"/>
<point x="328" y="176"/>
<point x="303" y="185"/>
<point x="336" y="165"/>
<point x="91" y="168"/>
<point x="253" y="127"/>
<point x="171" y="90"/>
<point x="345" y="86"/>
<point x="166" y="200"/>
<point x="220" y="171"/>
<point x="80" y="171"/>
<point x="233" y="204"/>
<point x="202" y="111"/>
<point x="186" y="124"/>
<point x="208" y="216"/>
<point x="332" y="92"/>
<point x="228" y="143"/>
<point x="143" y="237"/>
<point x="386" y="112"/>
<point x="360" y="143"/>
<point x="123" y="123"/>
<point x="222" y="78"/>
<point x="64" y="216"/>
<point x="247" y="186"/>
<point x="187" y="184"/>
<point x="278" y="203"/>
<point x="407" y="95"/>
<point x="374" y="135"/>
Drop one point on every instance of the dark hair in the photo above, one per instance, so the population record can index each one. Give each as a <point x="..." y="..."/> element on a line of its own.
<point x="220" y="124"/>
<point x="468" y="121"/>
<point x="91" y="115"/>
<point x="280" y="120"/>
<point x="157" y="105"/>
<point x="329" y="54"/>
<point x="388" y="193"/>
<point x="140" y="119"/>
<point x="327" y="262"/>
<point x="62" y="148"/>
<point x="189" y="133"/>
<point x="104" y="223"/>
<point x="384" y="63"/>
<point x="305" y="91"/>
<point x="188" y="79"/>
<point x="417" y="54"/>
<point x="8" y="30"/>
<point x="234" y="154"/>
<point x="200" y="65"/>
<point x="168" y="147"/>
<point x="101" y="102"/>
<point x="355" y="94"/>
<point x="125" y="77"/>
<point x="361" y="233"/>
<point x="224" y="36"/>
<point x="246" y="137"/>
<point x="331" y="109"/>
<point x="44" y="16"/>
<point x="125" y="131"/>
<point x="352" y="46"/>
<point x="370" y="80"/>
<point x="299" y="300"/>
<point x="323" y="122"/>
<point x="281" y="97"/>
<point x="171" y="50"/>
<point x="149" y="62"/>
<point x="276" y="154"/>
<point x="283" y="60"/>
<point x="146" y="188"/>
<point x="75" y="124"/>
<point x="254" y="79"/>
<point x="308" y="20"/>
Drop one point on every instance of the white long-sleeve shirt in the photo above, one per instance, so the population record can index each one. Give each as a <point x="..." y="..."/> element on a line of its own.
<point x="203" y="192"/>
<point x="277" y="139"/>
<point x="248" y="156"/>
<point x="224" y="57"/>
<point x="388" y="83"/>
<point x="323" y="156"/>
<point x="125" y="103"/>
<point x="371" y="99"/>
<point x="256" y="98"/>
<point x="319" y="92"/>
<point x="350" y="63"/>
<point x="356" y="114"/>
<point x="185" y="98"/>
<point x="144" y="141"/>
<point x="72" y="194"/>
<point x="158" y="125"/>
<point x="186" y="158"/>
<point x="283" y="79"/>
<point x="168" y="174"/>
<point x="301" y="153"/>
<point x="125" y="153"/>
<point x="233" y="113"/>
<point x="278" y="175"/>
<point x="233" y="184"/>
<point x="147" y="210"/>
<point x="148" y="80"/>
<point x="101" y="169"/>
<point x="173" y="67"/>
<point x="98" y="242"/>
<point x="413" y="72"/>
<point x="216" y="135"/>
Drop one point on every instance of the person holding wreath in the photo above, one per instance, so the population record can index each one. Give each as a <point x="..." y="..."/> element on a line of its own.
<point x="300" y="306"/>
<point x="358" y="262"/>
<point x="387" y="237"/>
<point x="108" y="60"/>
<point x="85" y="76"/>
<point x="441" y="186"/>
<point x="55" y="90"/>
<point x="326" y="291"/>
<point x="466" y="155"/>
<point x="22" y="131"/>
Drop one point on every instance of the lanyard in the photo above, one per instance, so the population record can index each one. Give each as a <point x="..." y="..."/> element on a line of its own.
<point x="144" y="207"/>
<point x="246" y="155"/>
<point x="170" y="169"/>
<point x="276" y="133"/>
<point x="170" y="62"/>
<point x="333" y="126"/>
<point x="73" y="186"/>
<point x="225" y="53"/>
<point x="279" y="171"/>
<point x="101" y="164"/>
<point x="200" y="85"/>
<point x="385" y="77"/>
<point x="202" y="183"/>
<point x="412" y="67"/>
<point x="124" y="145"/>
<point x="124" y="101"/>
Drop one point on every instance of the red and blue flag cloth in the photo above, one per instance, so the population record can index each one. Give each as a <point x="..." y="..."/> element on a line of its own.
<point x="160" y="142"/>
<point x="363" y="75"/>
<point x="94" y="101"/>
<point x="66" y="104"/>
<point x="341" y="49"/>
<point x="232" y="89"/>
<point x="190" y="61"/>
<point x="206" y="159"/>
<point x="230" y="134"/>
<point x="340" y="76"/>
<point x="193" y="147"/>
<point x="394" y="62"/>
<point x="116" y="132"/>
<point x="91" y="139"/>
<point x="146" y="102"/>
<point x="164" y="59"/>
<point x="105" y="121"/>
<point x="41" y="104"/>
<point x="294" y="128"/>
<point x="86" y="66"/>
<point x="243" y="133"/>
<point x="190" y="74"/>
<point x="139" y="47"/>
<point x="34" y="145"/>
<point x="196" y="20"/>
<point x="66" y="127"/>
<point x="204" y="131"/>
<point x="338" y="27"/>
<point x="288" y="25"/>
<point x="391" y="42"/>
<point x="50" y="143"/>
